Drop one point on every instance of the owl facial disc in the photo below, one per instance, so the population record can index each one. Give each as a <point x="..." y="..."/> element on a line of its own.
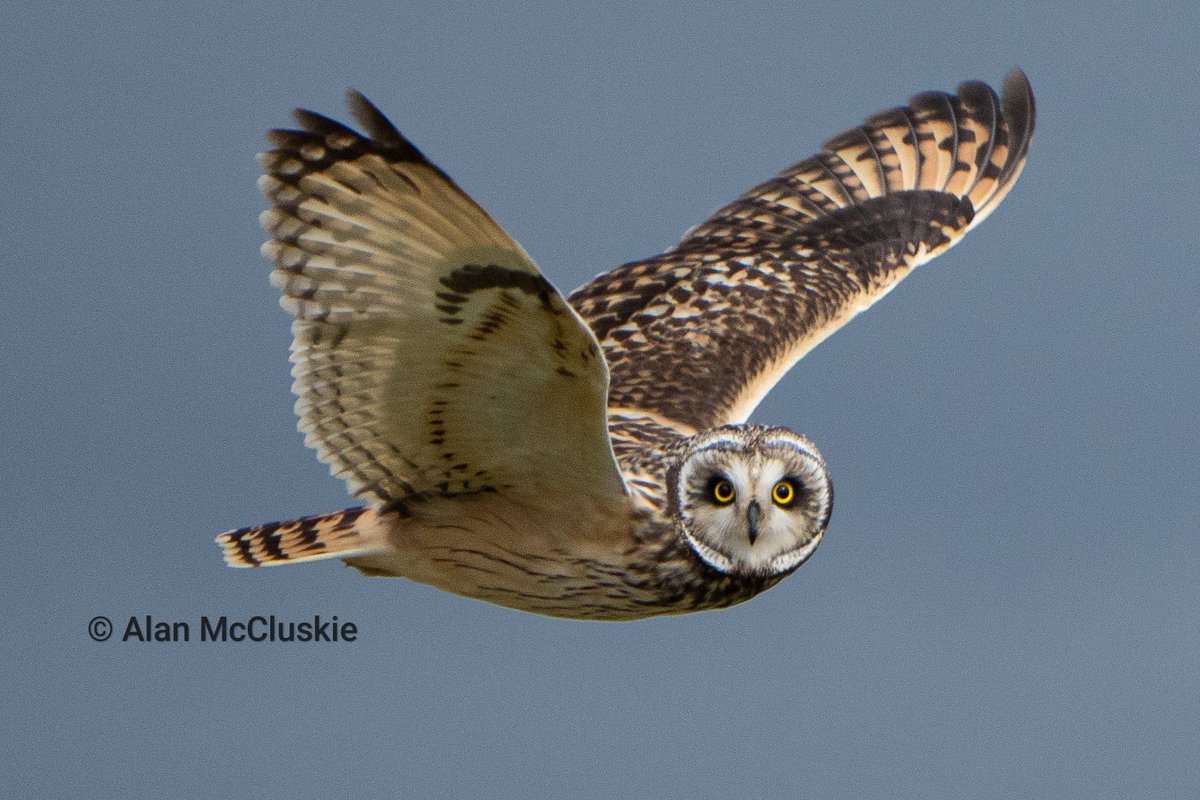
<point x="753" y="500"/>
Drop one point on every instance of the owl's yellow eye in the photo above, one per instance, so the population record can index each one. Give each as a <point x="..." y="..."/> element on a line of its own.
<point x="722" y="492"/>
<point x="783" y="493"/>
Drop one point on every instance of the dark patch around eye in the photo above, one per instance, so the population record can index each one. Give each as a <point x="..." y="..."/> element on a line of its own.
<point x="719" y="484"/>
<point x="809" y="497"/>
<point x="801" y="493"/>
<point x="797" y="483"/>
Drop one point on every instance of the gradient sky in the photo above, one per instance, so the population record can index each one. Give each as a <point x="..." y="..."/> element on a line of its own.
<point x="1005" y="603"/>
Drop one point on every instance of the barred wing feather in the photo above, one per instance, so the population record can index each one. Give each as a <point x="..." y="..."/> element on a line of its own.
<point x="430" y="356"/>
<point x="697" y="336"/>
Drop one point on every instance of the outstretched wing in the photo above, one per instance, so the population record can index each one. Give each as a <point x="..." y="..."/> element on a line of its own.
<point x="697" y="336"/>
<point x="430" y="356"/>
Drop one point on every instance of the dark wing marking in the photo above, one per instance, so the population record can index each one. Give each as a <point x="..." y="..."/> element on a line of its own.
<point x="698" y="335"/>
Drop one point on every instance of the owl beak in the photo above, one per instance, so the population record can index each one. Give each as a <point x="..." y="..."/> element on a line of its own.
<point x="752" y="512"/>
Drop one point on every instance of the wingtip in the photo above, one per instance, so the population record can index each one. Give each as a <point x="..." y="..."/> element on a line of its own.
<point x="312" y="122"/>
<point x="380" y="128"/>
<point x="1018" y="103"/>
<point x="1016" y="81"/>
<point x="369" y="116"/>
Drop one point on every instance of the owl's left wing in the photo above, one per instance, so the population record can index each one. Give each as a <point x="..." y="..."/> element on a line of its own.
<point x="696" y="337"/>
<point x="430" y="356"/>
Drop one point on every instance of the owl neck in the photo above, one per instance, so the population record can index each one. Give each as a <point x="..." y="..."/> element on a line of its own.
<point x="682" y="579"/>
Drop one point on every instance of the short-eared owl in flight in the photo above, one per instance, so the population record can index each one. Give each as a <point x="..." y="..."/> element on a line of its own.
<point x="587" y="456"/>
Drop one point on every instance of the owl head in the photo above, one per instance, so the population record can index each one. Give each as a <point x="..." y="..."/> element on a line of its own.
<point x="753" y="500"/>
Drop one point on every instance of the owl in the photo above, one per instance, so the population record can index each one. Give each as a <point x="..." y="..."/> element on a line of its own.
<point x="588" y="457"/>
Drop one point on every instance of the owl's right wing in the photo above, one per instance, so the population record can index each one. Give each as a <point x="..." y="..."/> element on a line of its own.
<point x="430" y="356"/>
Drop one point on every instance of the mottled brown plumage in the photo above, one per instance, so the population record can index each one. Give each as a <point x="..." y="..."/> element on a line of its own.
<point x="699" y="334"/>
<point x="583" y="458"/>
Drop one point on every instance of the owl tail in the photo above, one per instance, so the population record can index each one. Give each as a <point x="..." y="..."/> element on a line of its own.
<point x="337" y="535"/>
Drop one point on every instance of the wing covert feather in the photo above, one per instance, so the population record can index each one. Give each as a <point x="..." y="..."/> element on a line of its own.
<point x="698" y="335"/>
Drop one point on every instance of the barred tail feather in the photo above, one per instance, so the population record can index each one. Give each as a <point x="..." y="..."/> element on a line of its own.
<point x="336" y="535"/>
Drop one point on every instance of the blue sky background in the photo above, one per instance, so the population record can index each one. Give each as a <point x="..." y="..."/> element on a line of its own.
<point x="1006" y="600"/>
